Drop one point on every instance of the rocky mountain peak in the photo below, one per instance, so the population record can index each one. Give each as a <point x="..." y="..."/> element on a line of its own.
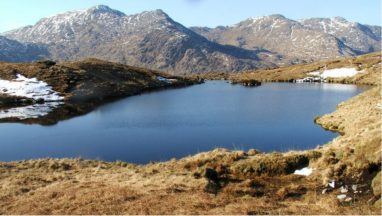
<point x="261" y="22"/>
<point x="102" y="9"/>
<point x="277" y="16"/>
<point x="153" y="16"/>
<point x="159" y="13"/>
<point x="340" y="19"/>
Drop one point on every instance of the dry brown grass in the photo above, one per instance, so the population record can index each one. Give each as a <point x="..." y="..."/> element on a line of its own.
<point x="74" y="186"/>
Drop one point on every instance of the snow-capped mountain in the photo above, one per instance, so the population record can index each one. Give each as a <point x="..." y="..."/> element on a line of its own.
<point x="361" y="38"/>
<point x="14" y="51"/>
<point x="311" y="39"/>
<point x="149" y="39"/>
<point x="152" y="39"/>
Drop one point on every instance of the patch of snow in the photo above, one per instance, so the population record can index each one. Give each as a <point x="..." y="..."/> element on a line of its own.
<point x="344" y="189"/>
<point x="32" y="111"/>
<point x="162" y="79"/>
<point x="335" y="73"/>
<point x="354" y="188"/>
<point x="304" y="171"/>
<point x="339" y="72"/>
<point x="29" y="88"/>
<point x="341" y="196"/>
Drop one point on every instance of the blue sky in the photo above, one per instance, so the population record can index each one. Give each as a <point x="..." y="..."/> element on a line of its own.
<point x="17" y="13"/>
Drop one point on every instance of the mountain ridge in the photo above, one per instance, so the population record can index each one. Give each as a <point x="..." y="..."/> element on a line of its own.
<point x="304" y="40"/>
<point x="154" y="40"/>
<point x="148" y="39"/>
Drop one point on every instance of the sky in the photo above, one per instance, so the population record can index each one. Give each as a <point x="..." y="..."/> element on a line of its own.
<point x="210" y="13"/>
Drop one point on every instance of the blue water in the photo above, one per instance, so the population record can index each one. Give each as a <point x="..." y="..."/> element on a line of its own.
<point x="174" y="123"/>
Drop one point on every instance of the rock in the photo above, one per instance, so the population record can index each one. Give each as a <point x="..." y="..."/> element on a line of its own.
<point x="326" y="190"/>
<point x="376" y="185"/>
<point x="250" y="83"/>
<point x="348" y="199"/>
<point x="354" y="188"/>
<point x="341" y="197"/>
<point x="344" y="189"/>
<point x="332" y="184"/>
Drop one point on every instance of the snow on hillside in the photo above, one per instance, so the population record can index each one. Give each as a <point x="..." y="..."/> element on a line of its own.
<point x="29" y="88"/>
<point x="304" y="171"/>
<point x="335" y="73"/>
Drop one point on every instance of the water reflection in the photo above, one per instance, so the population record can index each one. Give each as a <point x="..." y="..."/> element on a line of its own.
<point x="31" y="111"/>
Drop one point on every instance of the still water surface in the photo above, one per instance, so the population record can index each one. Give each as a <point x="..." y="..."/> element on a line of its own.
<point x="179" y="122"/>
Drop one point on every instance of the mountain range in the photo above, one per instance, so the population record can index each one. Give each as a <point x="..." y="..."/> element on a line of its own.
<point x="153" y="40"/>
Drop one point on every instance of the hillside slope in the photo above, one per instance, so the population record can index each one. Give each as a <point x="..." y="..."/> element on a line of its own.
<point x="14" y="51"/>
<point x="298" y="41"/>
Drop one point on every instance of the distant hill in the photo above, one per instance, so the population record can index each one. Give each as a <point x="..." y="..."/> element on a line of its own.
<point x="150" y="39"/>
<point x="299" y="41"/>
<point x="14" y="51"/>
